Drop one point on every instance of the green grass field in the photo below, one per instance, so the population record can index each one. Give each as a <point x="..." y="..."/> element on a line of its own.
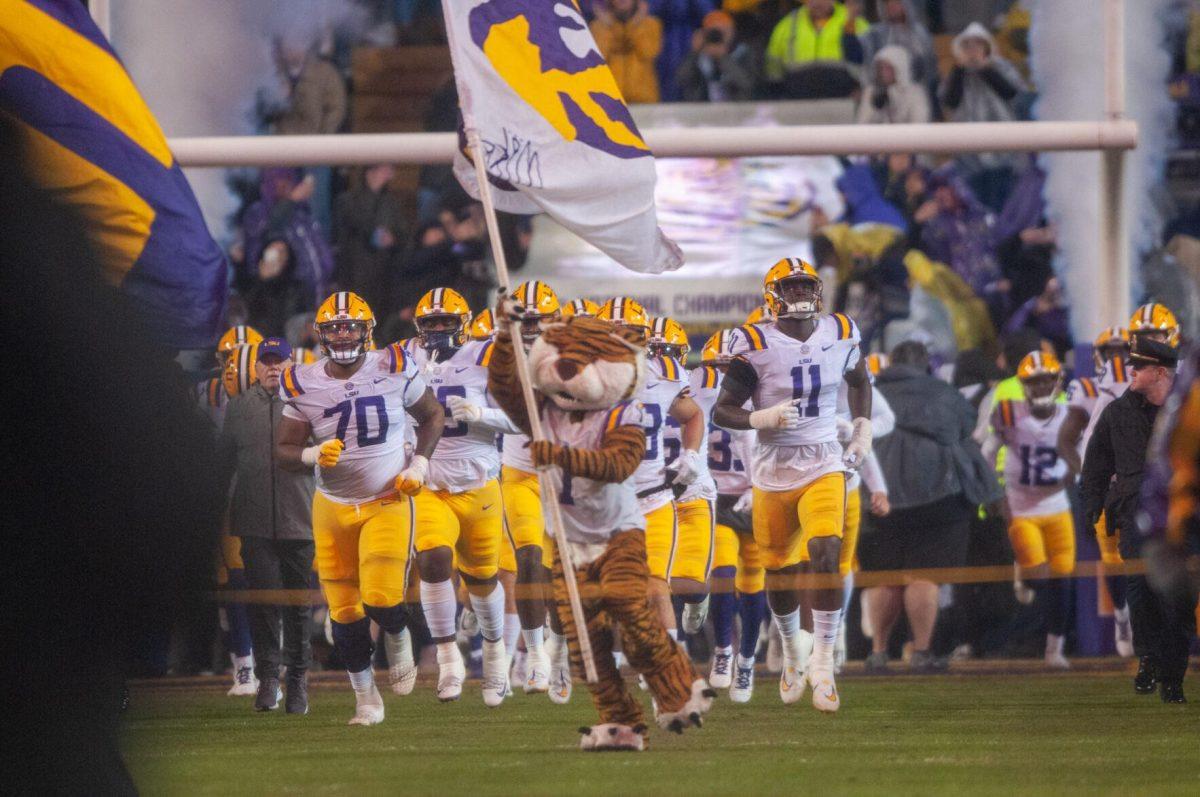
<point x="1080" y="733"/>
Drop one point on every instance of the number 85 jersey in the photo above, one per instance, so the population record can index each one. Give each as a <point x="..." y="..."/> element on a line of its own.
<point x="808" y="372"/>
<point x="366" y="412"/>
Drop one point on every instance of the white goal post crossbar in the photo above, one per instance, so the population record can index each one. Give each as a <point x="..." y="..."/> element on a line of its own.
<point x="949" y="138"/>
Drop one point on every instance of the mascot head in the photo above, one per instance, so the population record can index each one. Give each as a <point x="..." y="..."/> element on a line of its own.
<point x="587" y="364"/>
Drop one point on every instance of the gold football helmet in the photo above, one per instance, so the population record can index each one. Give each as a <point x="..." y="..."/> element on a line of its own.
<point x="584" y="308"/>
<point x="236" y="336"/>
<point x="344" y="324"/>
<point x="1155" y="321"/>
<point x="1112" y="342"/>
<point x="717" y="349"/>
<point x="624" y="311"/>
<point x="239" y="372"/>
<point x="877" y="362"/>
<point x="443" y="320"/>
<point x="538" y="303"/>
<point x="483" y="326"/>
<point x="1041" y="375"/>
<point x="668" y="338"/>
<point x="792" y="289"/>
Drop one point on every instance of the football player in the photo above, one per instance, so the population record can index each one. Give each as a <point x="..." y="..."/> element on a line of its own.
<point x="694" y="508"/>
<point x="460" y="516"/>
<point x="237" y="374"/>
<point x="735" y="554"/>
<point x="665" y="393"/>
<point x="352" y="405"/>
<point x="584" y="308"/>
<point x="1040" y="526"/>
<point x="789" y="369"/>
<point x="483" y="325"/>
<point x="525" y="548"/>
<point x="238" y="335"/>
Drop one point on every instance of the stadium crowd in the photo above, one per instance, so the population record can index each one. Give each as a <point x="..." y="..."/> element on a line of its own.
<point x="961" y="246"/>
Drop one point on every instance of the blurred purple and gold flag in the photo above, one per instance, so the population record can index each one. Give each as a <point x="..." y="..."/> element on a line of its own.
<point x="93" y="144"/>
<point x="556" y="134"/>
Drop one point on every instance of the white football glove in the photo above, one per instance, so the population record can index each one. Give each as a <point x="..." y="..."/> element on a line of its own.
<point x="783" y="415"/>
<point x="412" y="478"/>
<point x="462" y="410"/>
<point x="745" y="502"/>
<point x="856" y="451"/>
<point x="689" y="466"/>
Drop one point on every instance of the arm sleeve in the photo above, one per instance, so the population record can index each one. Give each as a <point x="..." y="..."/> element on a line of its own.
<point x="1002" y="87"/>
<point x="615" y="461"/>
<point x="494" y="418"/>
<point x="883" y="420"/>
<point x="1098" y="467"/>
<point x="952" y="88"/>
<point x="872" y="475"/>
<point x="415" y="387"/>
<point x="504" y="388"/>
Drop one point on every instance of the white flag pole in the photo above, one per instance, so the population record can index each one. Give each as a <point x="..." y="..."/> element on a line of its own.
<point x="531" y="407"/>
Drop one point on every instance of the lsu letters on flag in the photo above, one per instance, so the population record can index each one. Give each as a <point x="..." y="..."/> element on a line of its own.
<point x="93" y="144"/>
<point x="556" y="134"/>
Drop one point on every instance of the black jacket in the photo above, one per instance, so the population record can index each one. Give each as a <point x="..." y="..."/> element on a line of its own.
<point x="930" y="455"/>
<point x="1115" y="461"/>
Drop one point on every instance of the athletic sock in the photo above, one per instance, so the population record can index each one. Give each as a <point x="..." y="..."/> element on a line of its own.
<point x="752" y="608"/>
<point x="1121" y="614"/>
<point x="439" y="604"/>
<point x="789" y="632"/>
<point x="490" y="611"/>
<point x="722" y="607"/>
<point x="847" y="592"/>
<point x="447" y="652"/>
<point x="362" y="681"/>
<point x="534" y="638"/>
<point x="825" y="633"/>
<point x="512" y="630"/>
<point x="241" y="661"/>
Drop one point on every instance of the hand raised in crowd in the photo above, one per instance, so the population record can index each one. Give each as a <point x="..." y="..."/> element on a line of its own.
<point x="303" y="190"/>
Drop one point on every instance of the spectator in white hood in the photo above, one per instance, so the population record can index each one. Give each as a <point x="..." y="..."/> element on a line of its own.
<point x="900" y="25"/>
<point x="891" y="96"/>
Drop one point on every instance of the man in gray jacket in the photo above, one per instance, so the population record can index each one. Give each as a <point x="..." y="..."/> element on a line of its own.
<point x="271" y="511"/>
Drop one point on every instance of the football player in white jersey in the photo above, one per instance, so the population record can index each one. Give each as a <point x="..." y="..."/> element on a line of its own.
<point x="664" y="394"/>
<point x="790" y="369"/>
<point x="1040" y="526"/>
<point x="738" y="578"/>
<point x="694" y="503"/>
<point x="525" y="549"/>
<point x="353" y="406"/>
<point x="460" y="519"/>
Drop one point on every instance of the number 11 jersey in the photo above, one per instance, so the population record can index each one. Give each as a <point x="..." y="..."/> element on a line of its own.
<point x="366" y="412"/>
<point x="808" y="372"/>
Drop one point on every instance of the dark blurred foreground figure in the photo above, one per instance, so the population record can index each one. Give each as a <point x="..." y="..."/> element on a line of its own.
<point x="107" y="492"/>
<point x="1114" y="466"/>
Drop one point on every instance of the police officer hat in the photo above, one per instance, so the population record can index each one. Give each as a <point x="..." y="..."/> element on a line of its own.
<point x="1152" y="352"/>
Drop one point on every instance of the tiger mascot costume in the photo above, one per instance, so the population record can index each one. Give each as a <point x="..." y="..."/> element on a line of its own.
<point x="584" y="372"/>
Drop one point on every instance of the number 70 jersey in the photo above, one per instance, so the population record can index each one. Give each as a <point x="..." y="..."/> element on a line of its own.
<point x="367" y="412"/>
<point x="808" y="372"/>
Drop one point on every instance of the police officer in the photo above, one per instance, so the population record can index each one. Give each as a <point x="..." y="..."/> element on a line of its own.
<point x="1113" y="469"/>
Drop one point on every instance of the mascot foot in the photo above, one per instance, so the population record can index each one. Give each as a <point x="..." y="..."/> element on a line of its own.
<point x="612" y="736"/>
<point x="691" y="712"/>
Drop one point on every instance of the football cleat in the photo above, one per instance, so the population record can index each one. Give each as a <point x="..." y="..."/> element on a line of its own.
<point x="537" y="671"/>
<point x="1123" y="637"/>
<point x="693" y="616"/>
<point x="1146" y="679"/>
<point x="560" y="670"/>
<point x="297" y="693"/>
<point x="743" y="681"/>
<point x="402" y="670"/>
<point x="1055" y="660"/>
<point x="1172" y="692"/>
<point x="691" y="713"/>
<point x="495" y="673"/>
<point x="824" y="689"/>
<point x="721" y="676"/>
<point x="791" y="683"/>
<point x="612" y="736"/>
<point x="451" y="674"/>
<point x="368" y="708"/>
<point x="244" y="683"/>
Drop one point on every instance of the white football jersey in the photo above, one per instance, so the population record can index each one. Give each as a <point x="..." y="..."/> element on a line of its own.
<point x="466" y="457"/>
<point x="665" y="381"/>
<point x="367" y="412"/>
<point x="808" y="372"/>
<point x="704" y="386"/>
<point x="1033" y="470"/>
<point x="592" y="510"/>
<point x="514" y="453"/>
<point x="883" y="420"/>
<point x="1093" y="395"/>
<point x="728" y="449"/>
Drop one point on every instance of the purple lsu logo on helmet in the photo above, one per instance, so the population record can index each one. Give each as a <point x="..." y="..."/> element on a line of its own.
<point x="546" y="54"/>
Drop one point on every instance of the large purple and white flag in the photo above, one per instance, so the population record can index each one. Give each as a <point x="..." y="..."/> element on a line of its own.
<point x="555" y="132"/>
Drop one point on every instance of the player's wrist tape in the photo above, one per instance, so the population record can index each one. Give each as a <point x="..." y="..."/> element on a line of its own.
<point x="418" y="466"/>
<point x="309" y="455"/>
<point x="863" y="433"/>
<point x="767" y="418"/>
